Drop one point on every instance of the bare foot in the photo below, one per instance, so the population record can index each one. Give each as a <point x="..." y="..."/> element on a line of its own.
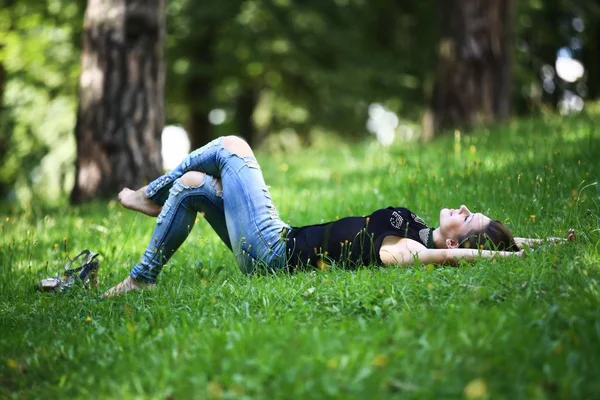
<point x="137" y="200"/>
<point x="129" y="284"/>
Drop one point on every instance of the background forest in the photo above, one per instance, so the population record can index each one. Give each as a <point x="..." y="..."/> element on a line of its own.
<point x="283" y="73"/>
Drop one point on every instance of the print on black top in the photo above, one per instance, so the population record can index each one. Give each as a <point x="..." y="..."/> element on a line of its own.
<point x="353" y="241"/>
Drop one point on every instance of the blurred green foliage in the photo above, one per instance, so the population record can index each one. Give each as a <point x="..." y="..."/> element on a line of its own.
<point x="40" y="57"/>
<point x="314" y="65"/>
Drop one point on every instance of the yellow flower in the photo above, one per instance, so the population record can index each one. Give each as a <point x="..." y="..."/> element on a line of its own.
<point x="532" y="217"/>
<point x="476" y="389"/>
<point x="322" y="265"/>
<point x="88" y="319"/>
<point x="380" y="360"/>
<point x="12" y="364"/>
<point x="332" y="363"/>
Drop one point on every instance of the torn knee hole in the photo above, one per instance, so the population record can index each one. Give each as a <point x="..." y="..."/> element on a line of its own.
<point x="238" y="146"/>
<point x="192" y="179"/>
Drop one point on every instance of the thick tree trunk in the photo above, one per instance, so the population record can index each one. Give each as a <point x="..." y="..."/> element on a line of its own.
<point x="473" y="78"/>
<point x="121" y="97"/>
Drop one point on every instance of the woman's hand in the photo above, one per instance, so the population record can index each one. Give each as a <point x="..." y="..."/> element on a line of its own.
<point x="570" y="237"/>
<point x="529" y="242"/>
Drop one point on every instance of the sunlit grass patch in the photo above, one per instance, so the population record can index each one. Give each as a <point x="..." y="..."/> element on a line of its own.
<point x="509" y="328"/>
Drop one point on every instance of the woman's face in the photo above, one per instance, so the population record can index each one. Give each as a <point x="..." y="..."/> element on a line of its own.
<point x="456" y="223"/>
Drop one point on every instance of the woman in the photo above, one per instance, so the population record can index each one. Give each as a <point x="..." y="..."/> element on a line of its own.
<point x="224" y="181"/>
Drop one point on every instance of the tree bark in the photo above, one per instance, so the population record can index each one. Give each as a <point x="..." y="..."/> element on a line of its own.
<point x="473" y="77"/>
<point x="198" y="91"/>
<point x="591" y="56"/>
<point x="121" y="97"/>
<point x="244" y="110"/>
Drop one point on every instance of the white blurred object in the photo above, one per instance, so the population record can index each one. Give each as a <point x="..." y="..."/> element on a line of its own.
<point x="578" y="24"/>
<point x="570" y="103"/>
<point x="382" y="123"/>
<point x="217" y="116"/>
<point x="175" y="146"/>
<point x="567" y="68"/>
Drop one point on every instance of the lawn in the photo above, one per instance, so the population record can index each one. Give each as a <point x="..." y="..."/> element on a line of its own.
<point x="511" y="328"/>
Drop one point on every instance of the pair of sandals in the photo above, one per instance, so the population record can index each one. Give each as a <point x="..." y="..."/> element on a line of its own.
<point x="84" y="273"/>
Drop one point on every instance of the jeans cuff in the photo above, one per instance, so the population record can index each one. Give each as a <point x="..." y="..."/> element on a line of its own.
<point x="141" y="274"/>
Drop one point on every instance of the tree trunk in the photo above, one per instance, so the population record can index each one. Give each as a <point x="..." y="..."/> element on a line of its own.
<point x="121" y="97"/>
<point x="591" y="57"/>
<point x="244" y="110"/>
<point x="199" y="88"/>
<point x="473" y="77"/>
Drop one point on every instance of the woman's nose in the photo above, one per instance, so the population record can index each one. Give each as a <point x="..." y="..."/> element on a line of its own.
<point x="464" y="209"/>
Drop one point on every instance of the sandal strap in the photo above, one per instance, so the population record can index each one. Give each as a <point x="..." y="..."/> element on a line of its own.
<point x="89" y="258"/>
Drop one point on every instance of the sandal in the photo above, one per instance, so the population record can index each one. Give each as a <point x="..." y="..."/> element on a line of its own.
<point x="86" y="274"/>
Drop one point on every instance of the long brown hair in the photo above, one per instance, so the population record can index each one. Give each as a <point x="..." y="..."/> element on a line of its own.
<point x="496" y="236"/>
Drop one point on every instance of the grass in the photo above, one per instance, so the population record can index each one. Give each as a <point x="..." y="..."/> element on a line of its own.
<point x="507" y="328"/>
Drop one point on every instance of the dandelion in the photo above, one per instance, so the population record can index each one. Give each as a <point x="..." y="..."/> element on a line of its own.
<point x="380" y="360"/>
<point x="88" y="319"/>
<point x="476" y="389"/>
<point x="532" y="218"/>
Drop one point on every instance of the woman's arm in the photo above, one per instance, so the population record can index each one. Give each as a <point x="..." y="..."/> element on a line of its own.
<point x="406" y="252"/>
<point x="531" y="242"/>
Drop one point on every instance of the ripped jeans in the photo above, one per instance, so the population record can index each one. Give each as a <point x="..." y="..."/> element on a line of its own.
<point x="243" y="214"/>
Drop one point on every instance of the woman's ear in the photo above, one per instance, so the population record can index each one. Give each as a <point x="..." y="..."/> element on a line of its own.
<point x="451" y="243"/>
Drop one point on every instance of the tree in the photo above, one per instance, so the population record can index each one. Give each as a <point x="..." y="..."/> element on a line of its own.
<point x="473" y="77"/>
<point x="121" y="100"/>
<point x="591" y="48"/>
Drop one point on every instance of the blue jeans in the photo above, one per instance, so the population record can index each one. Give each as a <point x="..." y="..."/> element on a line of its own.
<point x="243" y="214"/>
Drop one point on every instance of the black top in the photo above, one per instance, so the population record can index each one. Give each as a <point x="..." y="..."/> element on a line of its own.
<point x="353" y="241"/>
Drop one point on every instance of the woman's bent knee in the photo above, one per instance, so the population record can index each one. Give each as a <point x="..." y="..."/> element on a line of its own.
<point x="192" y="178"/>
<point x="238" y="146"/>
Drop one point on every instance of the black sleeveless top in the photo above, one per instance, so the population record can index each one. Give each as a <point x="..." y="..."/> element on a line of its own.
<point x="353" y="241"/>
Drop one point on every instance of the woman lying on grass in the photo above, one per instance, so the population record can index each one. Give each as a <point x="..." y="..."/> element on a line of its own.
<point x="223" y="180"/>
